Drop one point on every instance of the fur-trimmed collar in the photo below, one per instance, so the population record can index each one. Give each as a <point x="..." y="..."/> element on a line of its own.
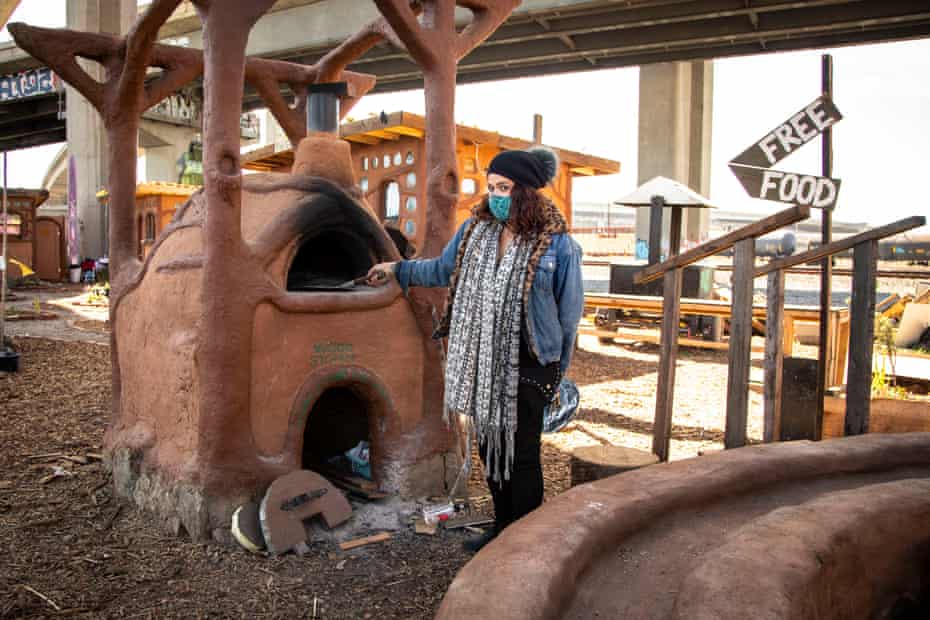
<point x="555" y="224"/>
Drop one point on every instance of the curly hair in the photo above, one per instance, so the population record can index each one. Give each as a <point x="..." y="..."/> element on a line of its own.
<point x="527" y="215"/>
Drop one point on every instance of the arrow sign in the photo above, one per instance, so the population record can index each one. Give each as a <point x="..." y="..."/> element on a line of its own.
<point x="794" y="133"/>
<point x="751" y="166"/>
<point x="799" y="189"/>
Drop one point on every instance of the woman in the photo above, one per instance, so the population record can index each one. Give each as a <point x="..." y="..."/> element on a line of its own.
<point x="515" y="300"/>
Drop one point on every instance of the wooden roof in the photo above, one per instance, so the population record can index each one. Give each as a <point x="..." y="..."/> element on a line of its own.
<point x="374" y="130"/>
<point x="158" y="188"/>
<point x="36" y="196"/>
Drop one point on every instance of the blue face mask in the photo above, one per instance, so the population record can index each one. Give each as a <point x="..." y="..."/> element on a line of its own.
<point x="500" y="206"/>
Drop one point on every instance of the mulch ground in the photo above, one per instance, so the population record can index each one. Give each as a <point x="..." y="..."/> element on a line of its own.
<point x="73" y="549"/>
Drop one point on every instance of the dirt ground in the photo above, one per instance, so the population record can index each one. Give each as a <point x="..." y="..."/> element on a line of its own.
<point x="75" y="550"/>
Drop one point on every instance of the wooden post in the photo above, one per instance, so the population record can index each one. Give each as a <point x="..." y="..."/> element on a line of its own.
<point x="674" y="235"/>
<point x="788" y="335"/>
<point x="842" y="350"/>
<point x="862" y="315"/>
<point x="774" y="355"/>
<point x="740" y="342"/>
<point x="537" y="128"/>
<point x="826" y="269"/>
<point x="655" y="229"/>
<point x="668" y="354"/>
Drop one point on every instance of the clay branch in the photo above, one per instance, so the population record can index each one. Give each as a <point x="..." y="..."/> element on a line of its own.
<point x="419" y="42"/>
<point x="139" y="43"/>
<point x="487" y="17"/>
<point x="59" y="50"/>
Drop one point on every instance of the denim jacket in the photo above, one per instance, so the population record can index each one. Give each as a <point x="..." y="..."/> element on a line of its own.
<point x="555" y="303"/>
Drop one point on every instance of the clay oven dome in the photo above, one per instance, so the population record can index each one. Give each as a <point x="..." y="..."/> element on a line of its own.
<point x="324" y="363"/>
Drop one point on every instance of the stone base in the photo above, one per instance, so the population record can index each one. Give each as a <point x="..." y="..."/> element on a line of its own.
<point x="183" y="508"/>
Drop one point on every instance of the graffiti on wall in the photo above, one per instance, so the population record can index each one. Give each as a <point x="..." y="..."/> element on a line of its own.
<point x="31" y="83"/>
<point x="182" y="109"/>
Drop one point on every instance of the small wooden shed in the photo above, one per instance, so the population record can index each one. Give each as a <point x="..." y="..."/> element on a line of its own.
<point x="35" y="241"/>
<point x="156" y="203"/>
<point x="389" y="157"/>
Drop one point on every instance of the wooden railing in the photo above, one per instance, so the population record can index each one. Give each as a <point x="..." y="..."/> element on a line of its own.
<point x="740" y="320"/>
<point x="865" y="256"/>
<point x="861" y="320"/>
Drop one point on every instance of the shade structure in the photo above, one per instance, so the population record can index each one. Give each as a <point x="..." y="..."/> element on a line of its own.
<point x="674" y="194"/>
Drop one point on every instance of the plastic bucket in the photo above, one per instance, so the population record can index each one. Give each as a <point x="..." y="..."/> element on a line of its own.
<point x="74" y="274"/>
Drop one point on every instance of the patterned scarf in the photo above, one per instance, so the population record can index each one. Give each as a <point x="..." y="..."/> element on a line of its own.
<point x="483" y="362"/>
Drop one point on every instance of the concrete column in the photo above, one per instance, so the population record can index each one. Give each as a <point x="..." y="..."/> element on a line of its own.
<point x="675" y="112"/>
<point x="86" y="136"/>
<point x="162" y="146"/>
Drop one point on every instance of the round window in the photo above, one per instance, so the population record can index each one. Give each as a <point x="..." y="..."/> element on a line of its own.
<point x="398" y="159"/>
<point x="409" y="159"/>
<point x="387" y="161"/>
<point x="364" y="163"/>
<point x="363" y="183"/>
<point x="411" y="203"/>
<point x="411" y="179"/>
<point x="375" y="162"/>
<point x="410" y="228"/>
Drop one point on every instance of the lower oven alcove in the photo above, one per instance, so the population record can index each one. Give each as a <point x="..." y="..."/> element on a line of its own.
<point x="336" y="424"/>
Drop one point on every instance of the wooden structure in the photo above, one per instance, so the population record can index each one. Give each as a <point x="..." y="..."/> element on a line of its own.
<point x="197" y="482"/>
<point x="388" y="154"/>
<point x="862" y="314"/>
<point x="838" y="323"/>
<point x="744" y="272"/>
<point x="36" y="241"/>
<point x="156" y="204"/>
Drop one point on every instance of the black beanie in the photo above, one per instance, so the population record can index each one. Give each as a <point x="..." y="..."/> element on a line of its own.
<point x="534" y="167"/>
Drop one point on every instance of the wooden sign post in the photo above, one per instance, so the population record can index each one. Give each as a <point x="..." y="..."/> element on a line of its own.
<point x="753" y="169"/>
<point x="751" y="166"/>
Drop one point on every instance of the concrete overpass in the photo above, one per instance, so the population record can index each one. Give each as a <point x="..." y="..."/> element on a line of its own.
<point x="541" y="37"/>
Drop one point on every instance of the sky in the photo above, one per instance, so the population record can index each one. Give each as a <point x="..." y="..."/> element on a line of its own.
<point x="880" y="146"/>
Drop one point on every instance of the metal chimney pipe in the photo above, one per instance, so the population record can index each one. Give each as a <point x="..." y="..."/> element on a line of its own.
<point x="323" y="106"/>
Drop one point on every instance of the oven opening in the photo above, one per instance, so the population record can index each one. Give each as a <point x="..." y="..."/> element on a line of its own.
<point x="336" y="438"/>
<point x="329" y="260"/>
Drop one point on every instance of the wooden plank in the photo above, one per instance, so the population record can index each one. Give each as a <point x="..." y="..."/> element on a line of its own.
<point x="635" y="336"/>
<point x="909" y="274"/>
<point x="862" y="315"/>
<point x="668" y="356"/>
<point x="6" y="9"/>
<point x="384" y="135"/>
<point x="788" y="329"/>
<point x="689" y="306"/>
<point x="655" y="234"/>
<point x="740" y="341"/>
<point x="586" y="171"/>
<point x="774" y="357"/>
<point x="843" y="244"/>
<point x="407" y="131"/>
<point x="362" y="139"/>
<point x="674" y="238"/>
<point x="842" y="351"/>
<point x="756" y="229"/>
<point x="358" y="542"/>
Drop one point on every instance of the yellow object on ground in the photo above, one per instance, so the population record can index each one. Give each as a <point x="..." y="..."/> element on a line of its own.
<point x="25" y="270"/>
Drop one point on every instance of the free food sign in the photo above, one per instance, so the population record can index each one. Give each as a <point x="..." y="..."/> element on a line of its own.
<point x="751" y="166"/>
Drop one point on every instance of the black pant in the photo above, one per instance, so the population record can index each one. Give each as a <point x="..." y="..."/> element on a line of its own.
<point x="523" y="492"/>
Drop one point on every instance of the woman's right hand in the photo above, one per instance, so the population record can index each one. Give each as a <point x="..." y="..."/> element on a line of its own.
<point x="380" y="274"/>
